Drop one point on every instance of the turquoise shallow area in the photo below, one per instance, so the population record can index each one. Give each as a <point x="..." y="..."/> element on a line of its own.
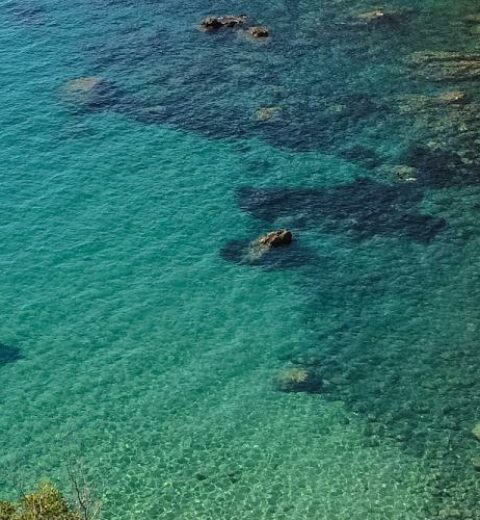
<point x="130" y="341"/>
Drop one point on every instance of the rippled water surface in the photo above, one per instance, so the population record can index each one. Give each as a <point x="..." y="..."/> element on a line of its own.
<point x="142" y="336"/>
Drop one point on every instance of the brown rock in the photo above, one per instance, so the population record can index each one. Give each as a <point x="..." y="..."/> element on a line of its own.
<point x="212" y="23"/>
<point x="258" y="32"/>
<point x="279" y="238"/>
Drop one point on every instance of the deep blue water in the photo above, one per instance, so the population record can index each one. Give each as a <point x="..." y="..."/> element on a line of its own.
<point x="140" y="157"/>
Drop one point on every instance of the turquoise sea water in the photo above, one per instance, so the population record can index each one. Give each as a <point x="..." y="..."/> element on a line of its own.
<point x="137" y="339"/>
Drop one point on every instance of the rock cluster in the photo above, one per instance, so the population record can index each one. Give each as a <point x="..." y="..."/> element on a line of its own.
<point x="212" y="23"/>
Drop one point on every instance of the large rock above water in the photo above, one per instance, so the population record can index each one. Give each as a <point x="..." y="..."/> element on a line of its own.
<point x="212" y="23"/>
<point x="272" y="240"/>
<point x="258" y="32"/>
<point x="268" y="250"/>
<point x="278" y="238"/>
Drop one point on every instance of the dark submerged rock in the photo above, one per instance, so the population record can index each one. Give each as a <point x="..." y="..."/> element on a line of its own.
<point x="363" y="209"/>
<point x="212" y="23"/>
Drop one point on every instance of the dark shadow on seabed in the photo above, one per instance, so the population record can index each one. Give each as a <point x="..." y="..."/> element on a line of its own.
<point x="9" y="354"/>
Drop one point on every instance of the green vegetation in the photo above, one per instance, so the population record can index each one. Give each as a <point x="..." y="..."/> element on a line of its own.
<point x="44" y="503"/>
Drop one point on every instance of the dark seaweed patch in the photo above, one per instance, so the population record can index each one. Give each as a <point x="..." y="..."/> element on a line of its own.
<point x="363" y="208"/>
<point x="9" y="354"/>
<point x="439" y="168"/>
<point x="361" y="155"/>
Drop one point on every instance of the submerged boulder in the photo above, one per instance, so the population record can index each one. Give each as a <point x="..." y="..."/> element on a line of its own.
<point x="299" y="379"/>
<point x="376" y="16"/>
<point x="212" y="23"/>
<point x="91" y="92"/>
<point x="264" y="114"/>
<point x="453" y="97"/>
<point x="381" y="18"/>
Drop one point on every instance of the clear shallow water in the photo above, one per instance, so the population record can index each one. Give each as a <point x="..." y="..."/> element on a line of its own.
<point x="130" y="340"/>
